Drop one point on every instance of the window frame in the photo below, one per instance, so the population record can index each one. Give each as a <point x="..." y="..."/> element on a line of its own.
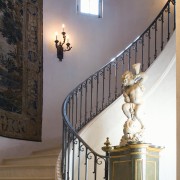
<point x="100" y="9"/>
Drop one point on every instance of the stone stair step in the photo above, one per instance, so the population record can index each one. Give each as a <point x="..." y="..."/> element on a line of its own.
<point x="30" y="160"/>
<point x="55" y="150"/>
<point x="26" y="178"/>
<point x="19" y="171"/>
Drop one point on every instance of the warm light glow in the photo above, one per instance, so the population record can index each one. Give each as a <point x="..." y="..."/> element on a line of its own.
<point x="63" y="26"/>
<point x="67" y="38"/>
<point x="56" y="33"/>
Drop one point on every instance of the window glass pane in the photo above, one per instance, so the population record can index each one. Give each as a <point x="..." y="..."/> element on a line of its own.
<point x="94" y="7"/>
<point x="84" y="6"/>
<point x="90" y="7"/>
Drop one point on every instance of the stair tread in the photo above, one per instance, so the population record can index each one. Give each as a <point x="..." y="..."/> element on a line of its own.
<point x="24" y="166"/>
<point x="26" y="178"/>
<point x="32" y="156"/>
<point x="36" y="166"/>
<point x="47" y="151"/>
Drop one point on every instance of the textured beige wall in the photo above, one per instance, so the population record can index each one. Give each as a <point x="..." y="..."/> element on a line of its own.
<point x="178" y="88"/>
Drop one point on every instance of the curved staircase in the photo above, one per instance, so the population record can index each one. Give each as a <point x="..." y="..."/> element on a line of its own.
<point x="91" y="97"/>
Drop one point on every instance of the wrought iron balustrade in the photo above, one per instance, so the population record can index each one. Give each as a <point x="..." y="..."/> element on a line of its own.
<point x="91" y="97"/>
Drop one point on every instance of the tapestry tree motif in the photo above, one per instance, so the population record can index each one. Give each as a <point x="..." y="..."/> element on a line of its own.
<point x="21" y="69"/>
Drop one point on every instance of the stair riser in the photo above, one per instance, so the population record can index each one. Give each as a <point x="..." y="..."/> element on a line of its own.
<point x="27" y="172"/>
<point x="25" y="178"/>
<point x="46" y="152"/>
<point x="31" y="161"/>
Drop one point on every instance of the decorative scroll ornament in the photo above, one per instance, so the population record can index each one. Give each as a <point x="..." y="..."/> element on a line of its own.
<point x="132" y="91"/>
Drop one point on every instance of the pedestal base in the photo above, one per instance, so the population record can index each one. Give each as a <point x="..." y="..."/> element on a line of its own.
<point x="134" y="162"/>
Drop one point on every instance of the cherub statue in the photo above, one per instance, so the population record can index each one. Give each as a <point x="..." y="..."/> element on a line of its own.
<point x="132" y="91"/>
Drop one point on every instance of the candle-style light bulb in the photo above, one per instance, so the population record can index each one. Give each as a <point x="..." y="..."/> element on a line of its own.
<point x="67" y="39"/>
<point x="63" y="26"/>
<point x="56" y="34"/>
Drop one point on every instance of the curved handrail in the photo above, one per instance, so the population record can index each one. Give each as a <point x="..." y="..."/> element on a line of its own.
<point x="76" y="134"/>
<point x="102" y="88"/>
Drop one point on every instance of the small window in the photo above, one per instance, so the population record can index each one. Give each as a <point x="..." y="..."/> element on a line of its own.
<point x="93" y="7"/>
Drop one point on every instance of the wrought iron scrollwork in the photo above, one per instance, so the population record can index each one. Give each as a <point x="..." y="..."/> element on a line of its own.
<point x="81" y="147"/>
<point x="89" y="155"/>
<point x="99" y="161"/>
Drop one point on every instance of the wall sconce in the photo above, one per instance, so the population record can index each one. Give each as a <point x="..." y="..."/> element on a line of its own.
<point x="59" y="45"/>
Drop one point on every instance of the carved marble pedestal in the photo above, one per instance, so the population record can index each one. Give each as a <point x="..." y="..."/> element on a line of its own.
<point x="134" y="162"/>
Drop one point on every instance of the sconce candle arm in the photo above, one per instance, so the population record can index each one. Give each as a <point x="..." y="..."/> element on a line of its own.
<point x="60" y="48"/>
<point x="64" y="37"/>
<point x="68" y="47"/>
<point x="56" y="42"/>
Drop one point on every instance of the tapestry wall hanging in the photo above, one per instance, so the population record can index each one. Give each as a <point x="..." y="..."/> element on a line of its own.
<point x="21" y="69"/>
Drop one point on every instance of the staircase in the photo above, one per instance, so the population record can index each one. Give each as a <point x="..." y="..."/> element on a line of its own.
<point x="40" y="165"/>
<point x="80" y="160"/>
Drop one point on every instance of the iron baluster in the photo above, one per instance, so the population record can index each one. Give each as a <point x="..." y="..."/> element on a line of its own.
<point x="123" y="63"/>
<point x="73" y="156"/>
<point x="85" y="85"/>
<point x="155" y="42"/>
<point x="129" y="58"/>
<point x="86" y="164"/>
<point x="136" y="52"/>
<point x="162" y="31"/>
<point x="122" y="70"/>
<point x="68" y="154"/>
<point x="168" y="21"/>
<point x="174" y="15"/>
<point x="109" y="97"/>
<point x="72" y="110"/>
<point x="142" y="61"/>
<point x="103" y="89"/>
<point x="95" y="167"/>
<point x="76" y="125"/>
<point x="81" y="95"/>
<point x="91" y="110"/>
<point x="97" y="91"/>
<point x="63" y="152"/>
<point x="100" y="91"/>
<point x="149" y="47"/>
<point x="116" y="69"/>
<point x="79" y="160"/>
<point x="65" y="148"/>
<point x="69" y="111"/>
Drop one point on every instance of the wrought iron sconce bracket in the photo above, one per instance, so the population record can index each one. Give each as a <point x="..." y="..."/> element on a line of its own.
<point x="60" y="46"/>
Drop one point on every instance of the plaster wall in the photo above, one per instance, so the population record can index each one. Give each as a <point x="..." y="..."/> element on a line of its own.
<point x="95" y="41"/>
<point x="178" y="89"/>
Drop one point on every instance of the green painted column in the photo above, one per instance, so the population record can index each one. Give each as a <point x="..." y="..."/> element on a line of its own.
<point x="133" y="162"/>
